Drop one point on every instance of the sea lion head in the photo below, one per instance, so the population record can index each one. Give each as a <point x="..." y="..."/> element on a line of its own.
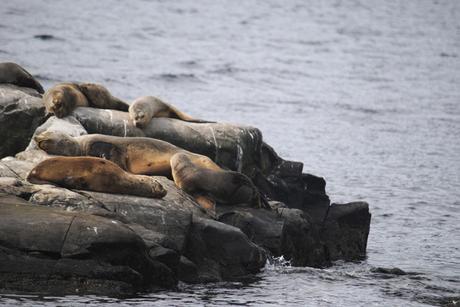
<point x="54" y="101"/>
<point x="138" y="117"/>
<point x="57" y="143"/>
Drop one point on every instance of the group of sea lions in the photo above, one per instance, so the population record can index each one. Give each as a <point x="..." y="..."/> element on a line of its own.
<point x="123" y="165"/>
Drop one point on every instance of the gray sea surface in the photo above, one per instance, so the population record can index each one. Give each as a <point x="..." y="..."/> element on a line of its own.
<point x="365" y="93"/>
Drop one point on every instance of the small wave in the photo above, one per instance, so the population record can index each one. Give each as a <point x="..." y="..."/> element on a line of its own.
<point x="176" y="77"/>
<point x="448" y="55"/>
<point x="47" y="37"/>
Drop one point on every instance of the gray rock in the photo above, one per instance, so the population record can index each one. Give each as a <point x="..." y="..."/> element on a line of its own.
<point x="37" y="242"/>
<point x="20" y="114"/>
<point x="222" y="252"/>
<point x="346" y="230"/>
<point x="283" y="232"/>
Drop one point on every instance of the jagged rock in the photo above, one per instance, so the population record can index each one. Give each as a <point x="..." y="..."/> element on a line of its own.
<point x="346" y="230"/>
<point x="263" y="227"/>
<point x="187" y="270"/>
<point x="285" y="232"/>
<point x="20" y="114"/>
<point x="46" y="242"/>
<point x="222" y="252"/>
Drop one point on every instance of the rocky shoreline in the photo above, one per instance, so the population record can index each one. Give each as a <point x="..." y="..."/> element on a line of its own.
<point x="65" y="241"/>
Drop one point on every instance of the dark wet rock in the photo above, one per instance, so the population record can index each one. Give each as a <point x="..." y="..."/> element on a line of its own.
<point x="187" y="270"/>
<point x="263" y="227"/>
<point x="222" y="252"/>
<point x="38" y="242"/>
<point x="301" y="241"/>
<point x="285" y="232"/>
<point x="346" y="229"/>
<point x="20" y="115"/>
<point x="390" y="271"/>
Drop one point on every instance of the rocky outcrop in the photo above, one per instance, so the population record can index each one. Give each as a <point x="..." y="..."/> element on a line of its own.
<point x="21" y="112"/>
<point x="180" y="237"/>
<point x="59" y="240"/>
<point x="72" y="249"/>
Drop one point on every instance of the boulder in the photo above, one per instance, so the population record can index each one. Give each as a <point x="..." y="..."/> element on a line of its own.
<point x="345" y="231"/>
<point x="38" y="242"/>
<point x="283" y="232"/>
<point x="222" y="252"/>
<point x="21" y="112"/>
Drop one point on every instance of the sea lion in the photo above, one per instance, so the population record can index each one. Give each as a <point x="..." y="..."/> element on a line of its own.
<point x="137" y="155"/>
<point x="143" y="109"/>
<point x="226" y="187"/>
<point x="94" y="174"/>
<point x="12" y="73"/>
<point x="63" y="98"/>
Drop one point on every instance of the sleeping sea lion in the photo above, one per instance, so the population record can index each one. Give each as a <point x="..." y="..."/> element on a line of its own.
<point x="63" y="98"/>
<point x="12" y="73"/>
<point x="226" y="187"/>
<point x="143" y="109"/>
<point x="94" y="174"/>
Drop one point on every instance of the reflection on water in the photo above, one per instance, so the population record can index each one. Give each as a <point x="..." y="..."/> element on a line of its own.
<point x="365" y="93"/>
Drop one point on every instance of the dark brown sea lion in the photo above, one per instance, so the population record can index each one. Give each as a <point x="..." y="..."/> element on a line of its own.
<point x="143" y="109"/>
<point x="226" y="187"/>
<point x="12" y="73"/>
<point x="94" y="174"/>
<point x="63" y="98"/>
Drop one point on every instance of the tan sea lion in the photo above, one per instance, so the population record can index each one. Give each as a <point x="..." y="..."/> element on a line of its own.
<point x="143" y="109"/>
<point x="63" y="98"/>
<point x="94" y="174"/>
<point x="12" y="73"/>
<point x="137" y="155"/>
<point x="226" y="187"/>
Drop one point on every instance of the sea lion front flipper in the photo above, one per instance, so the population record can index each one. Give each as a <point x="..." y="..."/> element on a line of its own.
<point x="206" y="203"/>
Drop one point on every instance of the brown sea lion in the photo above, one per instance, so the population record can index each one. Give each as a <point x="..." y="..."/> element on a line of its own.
<point x="12" y="73"/>
<point x="94" y="174"/>
<point x="63" y="98"/>
<point x="137" y="155"/>
<point x="226" y="187"/>
<point x="143" y="109"/>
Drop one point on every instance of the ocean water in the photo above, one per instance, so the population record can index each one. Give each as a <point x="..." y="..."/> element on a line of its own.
<point x="365" y="93"/>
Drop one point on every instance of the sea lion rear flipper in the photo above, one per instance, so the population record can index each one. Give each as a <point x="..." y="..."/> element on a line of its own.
<point x="100" y="97"/>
